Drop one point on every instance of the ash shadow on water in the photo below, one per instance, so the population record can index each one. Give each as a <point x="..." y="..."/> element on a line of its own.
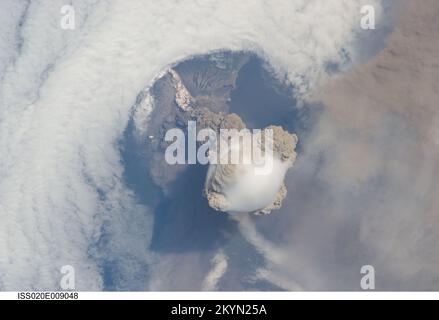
<point x="183" y="220"/>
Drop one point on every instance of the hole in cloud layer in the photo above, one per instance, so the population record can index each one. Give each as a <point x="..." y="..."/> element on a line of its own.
<point x="182" y="219"/>
<point x="238" y="82"/>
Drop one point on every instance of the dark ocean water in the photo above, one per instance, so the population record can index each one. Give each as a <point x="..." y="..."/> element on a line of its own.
<point x="260" y="100"/>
